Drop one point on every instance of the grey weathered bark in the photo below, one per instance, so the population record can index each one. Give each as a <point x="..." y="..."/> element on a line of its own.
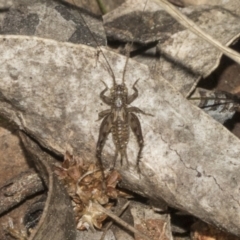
<point x="57" y="221"/>
<point x="184" y="57"/>
<point x="18" y="189"/>
<point x="51" y="90"/>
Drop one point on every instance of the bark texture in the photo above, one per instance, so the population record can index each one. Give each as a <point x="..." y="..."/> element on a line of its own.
<point x="57" y="221"/>
<point x="51" y="90"/>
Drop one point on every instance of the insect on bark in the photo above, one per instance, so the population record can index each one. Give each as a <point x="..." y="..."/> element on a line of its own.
<point x="120" y="118"/>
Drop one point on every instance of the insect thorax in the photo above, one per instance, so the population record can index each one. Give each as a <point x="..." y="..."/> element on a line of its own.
<point x="119" y="95"/>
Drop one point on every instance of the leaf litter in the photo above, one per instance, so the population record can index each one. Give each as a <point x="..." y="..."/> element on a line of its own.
<point x="84" y="184"/>
<point x="53" y="148"/>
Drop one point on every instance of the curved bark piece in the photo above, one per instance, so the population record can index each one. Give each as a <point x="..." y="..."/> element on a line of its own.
<point x="18" y="189"/>
<point x="51" y="90"/>
<point x="184" y="57"/>
<point x="57" y="220"/>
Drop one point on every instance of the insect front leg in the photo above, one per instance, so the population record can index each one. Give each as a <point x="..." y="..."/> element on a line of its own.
<point x="137" y="130"/>
<point x="104" y="98"/>
<point x="132" y="97"/>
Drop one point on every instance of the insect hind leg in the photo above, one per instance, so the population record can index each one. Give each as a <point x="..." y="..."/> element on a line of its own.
<point x="115" y="158"/>
<point x="137" y="130"/>
<point x="123" y="154"/>
<point x="137" y="110"/>
<point x="105" y="129"/>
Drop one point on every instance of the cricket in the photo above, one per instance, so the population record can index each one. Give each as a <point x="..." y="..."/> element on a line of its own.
<point x="120" y="119"/>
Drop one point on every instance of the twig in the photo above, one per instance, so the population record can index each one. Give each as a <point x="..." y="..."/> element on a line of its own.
<point x="119" y="213"/>
<point x="18" y="189"/>
<point x="119" y="220"/>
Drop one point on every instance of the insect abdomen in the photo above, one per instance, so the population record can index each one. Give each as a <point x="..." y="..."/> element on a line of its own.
<point x="120" y="132"/>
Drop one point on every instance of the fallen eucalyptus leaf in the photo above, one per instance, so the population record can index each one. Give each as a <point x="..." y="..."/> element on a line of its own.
<point x="184" y="57"/>
<point x="204" y="231"/>
<point x="51" y="90"/>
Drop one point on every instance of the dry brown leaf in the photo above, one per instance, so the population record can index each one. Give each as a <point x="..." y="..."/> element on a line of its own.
<point x="84" y="184"/>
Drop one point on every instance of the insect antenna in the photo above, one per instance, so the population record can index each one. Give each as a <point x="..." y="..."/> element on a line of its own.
<point x="99" y="48"/>
<point x="125" y="66"/>
<point x="128" y="48"/>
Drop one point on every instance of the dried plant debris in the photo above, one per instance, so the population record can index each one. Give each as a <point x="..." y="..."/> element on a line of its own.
<point x="219" y="105"/>
<point x="204" y="231"/>
<point x="29" y="222"/>
<point x="53" y="20"/>
<point x="51" y="90"/>
<point x="153" y="224"/>
<point x="85" y="185"/>
<point x="15" y="233"/>
<point x="92" y="199"/>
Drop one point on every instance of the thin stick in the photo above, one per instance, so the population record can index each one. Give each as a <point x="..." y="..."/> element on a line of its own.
<point x="119" y="213"/>
<point x="86" y="174"/>
<point x="119" y="220"/>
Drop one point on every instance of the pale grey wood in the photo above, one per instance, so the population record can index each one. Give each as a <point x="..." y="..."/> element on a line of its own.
<point x="51" y="91"/>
